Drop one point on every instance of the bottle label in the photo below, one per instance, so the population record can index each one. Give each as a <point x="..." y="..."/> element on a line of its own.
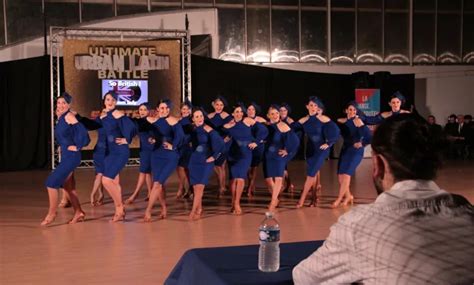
<point x="269" y="235"/>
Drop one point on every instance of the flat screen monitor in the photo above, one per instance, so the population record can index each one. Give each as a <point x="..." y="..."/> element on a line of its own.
<point x="129" y="92"/>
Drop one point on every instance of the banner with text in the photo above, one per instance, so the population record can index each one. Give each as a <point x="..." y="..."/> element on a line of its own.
<point x="368" y="101"/>
<point x="138" y="71"/>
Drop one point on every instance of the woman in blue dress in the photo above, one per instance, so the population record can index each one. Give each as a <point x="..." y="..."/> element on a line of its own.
<point x="253" y="111"/>
<point x="207" y="145"/>
<point x="356" y="136"/>
<point x="100" y="150"/>
<point x="285" y="111"/>
<point x="71" y="137"/>
<point x="397" y="100"/>
<point x="281" y="144"/>
<point x="184" y="151"/>
<point x="322" y="133"/>
<point x="98" y="155"/>
<point x="239" y="158"/>
<point x="217" y="119"/>
<point x="119" y="131"/>
<point x="164" y="160"/>
<point x="146" y="148"/>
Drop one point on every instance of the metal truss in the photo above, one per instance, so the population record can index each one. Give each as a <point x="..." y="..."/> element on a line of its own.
<point x="56" y="40"/>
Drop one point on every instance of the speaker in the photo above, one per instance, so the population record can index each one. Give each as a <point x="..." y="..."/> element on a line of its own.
<point x="360" y="79"/>
<point x="381" y="78"/>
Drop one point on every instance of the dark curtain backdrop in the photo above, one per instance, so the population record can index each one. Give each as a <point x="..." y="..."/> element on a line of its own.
<point x="25" y="97"/>
<point x="246" y="83"/>
<point x="25" y="114"/>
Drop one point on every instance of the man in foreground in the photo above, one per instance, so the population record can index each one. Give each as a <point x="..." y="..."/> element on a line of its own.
<point x="413" y="233"/>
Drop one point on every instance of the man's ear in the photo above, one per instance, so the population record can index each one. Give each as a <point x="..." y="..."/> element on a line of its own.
<point x="379" y="165"/>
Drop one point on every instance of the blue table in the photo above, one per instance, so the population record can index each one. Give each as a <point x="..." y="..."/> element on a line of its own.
<point x="237" y="265"/>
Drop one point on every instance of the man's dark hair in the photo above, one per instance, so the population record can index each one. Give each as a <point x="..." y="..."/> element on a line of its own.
<point x="467" y="117"/>
<point x="412" y="149"/>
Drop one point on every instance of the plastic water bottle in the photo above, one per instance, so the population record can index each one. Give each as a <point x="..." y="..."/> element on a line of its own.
<point x="269" y="252"/>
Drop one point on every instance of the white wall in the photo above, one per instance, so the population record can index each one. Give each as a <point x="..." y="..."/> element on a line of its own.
<point x="447" y="95"/>
<point x="201" y="21"/>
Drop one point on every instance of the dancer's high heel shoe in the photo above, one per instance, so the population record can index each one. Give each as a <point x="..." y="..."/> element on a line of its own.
<point x="163" y="214"/>
<point x="195" y="215"/>
<point x="98" y="202"/>
<point x="78" y="218"/>
<point x="147" y="218"/>
<point x="48" y="220"/>
<point x="336" y="203"/>
<point x="273" y="205"/>
<point x="118" y="217"/>
<point x="349" y="200"/>
<point x="237" y="210"/>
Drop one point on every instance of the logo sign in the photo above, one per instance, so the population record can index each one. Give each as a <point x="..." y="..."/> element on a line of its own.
<point x="368" y="101"/>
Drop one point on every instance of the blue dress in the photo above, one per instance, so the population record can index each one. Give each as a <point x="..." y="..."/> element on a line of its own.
<point x="318" y="133"/>
<point x="185" y="150"/>
<point x="100" y="148"/>
<point x="204" y="145"/>
<point x="240" y="155"/>
<point x="217" y="123"/>
<point x="67" y="135"/>
<point x="117" y="154"/>
<point x="350" y="156"/>
<point x="257" y="153"/>
<point x="145" y="131"/>
<point x="164" y="161"/>
<point x="274" y="164"/>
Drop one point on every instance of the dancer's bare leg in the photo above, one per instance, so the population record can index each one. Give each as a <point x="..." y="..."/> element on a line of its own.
<point x="149" y="183"/>
<point x="140" y="182"/>
<point x="70" y="188"/>
<point x="239" y="188"/>
<point x="181" y="182"/>
<point x="197" y="202"/>
<point x="270" y="184"/>
<point x="344" y="184"/>
<point x="252" y="178"/>
<point x="308" y="184"/>
<point x="97" y="187"/>
<point x="316" y="190"/>
<point x="278" y="181"/>
<point x="288" y="186"/>
<point x="53" y="202"/>
<point x="157" y="193"/>
<point x="220" y="171"/>
<point x="115" y="191"/>
<point x="232" y="185"/>
<point x="65" y="202"/>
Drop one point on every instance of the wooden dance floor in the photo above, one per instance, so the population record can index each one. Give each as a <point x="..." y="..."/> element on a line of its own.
<point x="99" y="252"/>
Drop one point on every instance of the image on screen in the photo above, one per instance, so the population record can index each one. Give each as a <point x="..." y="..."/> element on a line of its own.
<point x="129" y="92"/>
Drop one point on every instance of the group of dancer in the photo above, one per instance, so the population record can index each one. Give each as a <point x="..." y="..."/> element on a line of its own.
<point x="196" y="143"/>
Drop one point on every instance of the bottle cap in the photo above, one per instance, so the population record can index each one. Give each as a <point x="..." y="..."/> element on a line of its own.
<point x="269" y="214"/>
